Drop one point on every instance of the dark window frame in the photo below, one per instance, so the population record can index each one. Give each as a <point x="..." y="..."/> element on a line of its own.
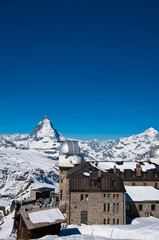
<point x="82" y="197"/>
<point x="153" y="207"/>
<point x="140" y="207"/>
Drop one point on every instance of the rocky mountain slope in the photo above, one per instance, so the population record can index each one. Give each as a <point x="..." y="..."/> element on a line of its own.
<point x="133" y="148"/>
<point x="31" y="157"/>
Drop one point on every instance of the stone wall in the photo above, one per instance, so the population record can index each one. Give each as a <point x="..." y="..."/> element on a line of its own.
<point x="101" y="207"/>
<point x="63" y="186"/>
<point x="142" y="209"/>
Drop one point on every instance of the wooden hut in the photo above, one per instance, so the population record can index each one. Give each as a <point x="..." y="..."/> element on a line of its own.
<point x="33" y="225"/>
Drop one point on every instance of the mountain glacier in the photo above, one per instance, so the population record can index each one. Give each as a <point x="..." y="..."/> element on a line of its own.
<point x="27" y="158"/>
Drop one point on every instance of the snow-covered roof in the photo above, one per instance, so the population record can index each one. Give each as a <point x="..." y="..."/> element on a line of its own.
<point x="42" y="218"/>
<point x="97" y="166"/>
<point x="141" y="193"/>
<point x="39" y="186"/>
<point x="51" y="216"/>
<point x="126" y="165"/>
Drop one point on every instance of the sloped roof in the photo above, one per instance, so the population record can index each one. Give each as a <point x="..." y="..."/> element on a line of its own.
<point x="84" y="166"/>
<point x="42" y="218"/>
<point x="42" y="187"/>
<point x="141" y="193"/>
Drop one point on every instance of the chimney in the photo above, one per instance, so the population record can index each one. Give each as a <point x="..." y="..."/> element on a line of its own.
<point x="114" y="170"/>
<point x="138" y="170"/>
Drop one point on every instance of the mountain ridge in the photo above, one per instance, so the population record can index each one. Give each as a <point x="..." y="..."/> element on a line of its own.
<point x="32" y="157"/>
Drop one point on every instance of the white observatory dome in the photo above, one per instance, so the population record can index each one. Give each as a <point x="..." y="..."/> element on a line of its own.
<point x="69" y="147"/>
<point x="154" y="155"/>
<point x="69" y="154"/>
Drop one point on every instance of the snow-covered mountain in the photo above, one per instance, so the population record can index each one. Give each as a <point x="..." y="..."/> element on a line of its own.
<point x="42" y="137"/>
<point x="133" y="148"/>
<point x="29" y="157"/>
<point x="25" y="158"/>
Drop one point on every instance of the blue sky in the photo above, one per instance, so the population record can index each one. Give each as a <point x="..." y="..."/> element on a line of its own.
<point x="91" y="66"/>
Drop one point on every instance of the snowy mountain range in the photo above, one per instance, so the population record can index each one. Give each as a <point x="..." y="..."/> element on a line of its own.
<point x="25" y="158"/>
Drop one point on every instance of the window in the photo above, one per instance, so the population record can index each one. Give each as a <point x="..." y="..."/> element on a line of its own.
<point x="140" y="207"/>
<point x="61" y="180"/>
<point x="108" y="221"/>
<point x="86" y="197"/>
<point x="156" y="185"/>
<point x="108" y="207"/>
<point x="104" y="221"/>
<point x="153" y="207"/>
<point x="127" y="207"/>
<point x="117" y="195"/>
<point x="113" y="183"/>
<point x="61" y="194"/>
<point x="104" y="207"/>
<point x="113" y="221"/>
<point x="104" y="195"/>
<point x="113" y="207"/>
<point x="117" y="207"/>
<point x="95" y="183"/>
<point x="113" y="195"/>
<point x="108" y="196"/>
<point x="117" y="222"/>
<point x="81" y="197"/>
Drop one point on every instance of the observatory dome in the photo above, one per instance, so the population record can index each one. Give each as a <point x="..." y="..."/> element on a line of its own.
<point x="154" y="155"/>
<point x="155" y="152"/>
<point x="69" y="147"/>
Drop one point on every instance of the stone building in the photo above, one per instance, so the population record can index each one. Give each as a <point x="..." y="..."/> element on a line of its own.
<point x="142" y="174"/>
<point x="94" y="193"/>
<point x="95" y="196"/>
<point x="142" y="201"/>
<point x="88" y="194"/>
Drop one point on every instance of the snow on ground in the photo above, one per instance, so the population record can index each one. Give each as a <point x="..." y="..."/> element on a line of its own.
<point x="140" y="229"/>
<point x="5" y="202"/>
<point x="6" y="227"/>
<point x="25" y="159"/>
<point x="73" y="237"/>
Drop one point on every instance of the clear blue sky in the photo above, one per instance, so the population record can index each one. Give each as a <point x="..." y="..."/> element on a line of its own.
<point x="91" y="66"/>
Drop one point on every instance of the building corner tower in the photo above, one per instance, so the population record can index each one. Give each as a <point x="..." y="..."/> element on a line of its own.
<point x="69" y="156"/>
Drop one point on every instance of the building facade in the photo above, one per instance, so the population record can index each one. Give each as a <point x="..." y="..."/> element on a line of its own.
<point x="91" y="194"/>
<point x="95" y="196"/>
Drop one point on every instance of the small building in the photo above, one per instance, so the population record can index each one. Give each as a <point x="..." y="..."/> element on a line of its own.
<point x="33" y="225"/>
<point x="95" y="196"/>
<point x="142" y="201"/>
<point x="42" y="190"/>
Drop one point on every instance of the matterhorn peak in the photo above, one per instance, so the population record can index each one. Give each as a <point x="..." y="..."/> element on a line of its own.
<point x="46" y="122"/>
<point x="45" y="130"/>
<point x="45" y="118"/>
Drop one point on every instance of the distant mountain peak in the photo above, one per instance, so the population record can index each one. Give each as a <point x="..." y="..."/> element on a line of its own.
<point x="150" y="131"/>
<point x="45" y="129"/>
<point x="45" y="118"/>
